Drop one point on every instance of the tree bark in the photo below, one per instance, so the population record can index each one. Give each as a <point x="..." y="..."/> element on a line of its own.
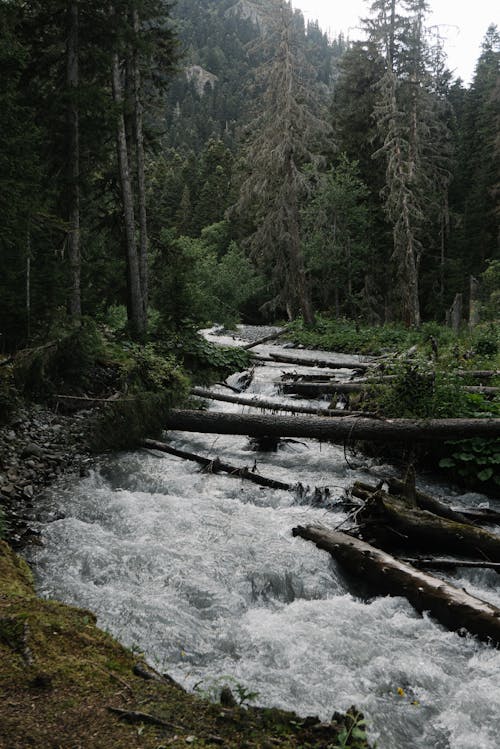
<point x="215" y="465"/>
<point x="424" y="530"/>
<point x="315" y="389"/>
<point x="301" y="361"/>
<point x="137" y="317"/>
<point x="272" y="405"/>
<point x="352" y="428"/>
<point x="141" y="170"/>
<point x="73" y="169"/>
<point x="423" y="501"/>
<point x="451" y="606"/>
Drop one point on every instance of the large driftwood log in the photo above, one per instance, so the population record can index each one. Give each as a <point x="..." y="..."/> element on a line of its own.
<point x="271" y="405"/>
<point x="315" y="389"/>
<point x="423" y="501"/>
<point x="320" y="427"/>
<point x="451" y="606"/>
<point x="423" y="529"/>
<point x="303" y="362"/>
<point x="427" y="502"/>
<point x="215" y="465"/>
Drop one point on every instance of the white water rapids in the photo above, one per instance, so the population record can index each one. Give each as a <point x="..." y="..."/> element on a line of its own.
<point x="202" y="574"/>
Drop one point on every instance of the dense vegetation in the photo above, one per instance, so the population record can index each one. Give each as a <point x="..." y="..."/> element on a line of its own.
<point x="223" y="160"/>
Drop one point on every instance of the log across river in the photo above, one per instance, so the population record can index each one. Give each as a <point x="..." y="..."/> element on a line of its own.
<point x="200" y="571"/>
<point x="323" y="428"/>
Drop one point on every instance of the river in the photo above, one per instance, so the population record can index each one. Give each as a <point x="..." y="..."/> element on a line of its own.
<point x="201" y="573"/>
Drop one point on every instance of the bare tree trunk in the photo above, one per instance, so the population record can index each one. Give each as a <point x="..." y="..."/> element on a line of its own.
<point x="141" y="169"/>
<point x="473" y="302"/>
<point x="137" y="317"/>
<point x="456" y="313"/>
<point x="72" y="82"/>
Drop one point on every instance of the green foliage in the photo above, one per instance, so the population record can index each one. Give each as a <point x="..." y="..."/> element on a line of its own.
<point x="66" y="362"/>
<point x="486" y="341"/>
<point x="476" y="460"/>
<point x="211" y="690"/>
<point x="152" y="371"/>
<point x="419" y="391"/>
<point x="205" y="359"/>
<point x="337" y="227"/>
<point x="125" y="423"/>
<point x="198" y="281"/>
<point x="353" y="734"/>
<point x="490" y="291"/>
<point x="349" y="336"/>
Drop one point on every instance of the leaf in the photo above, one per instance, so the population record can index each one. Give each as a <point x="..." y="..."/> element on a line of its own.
<point x="465" y="457"/>
<point x="485" y="474"/>
<point x="447" y="463"/>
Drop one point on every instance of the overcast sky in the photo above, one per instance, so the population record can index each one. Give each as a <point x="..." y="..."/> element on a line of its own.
<point x="463" y="24"/>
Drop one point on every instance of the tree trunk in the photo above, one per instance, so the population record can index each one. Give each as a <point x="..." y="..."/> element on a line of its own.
<point x="141" y="170"/>
<point x="215" y="465"/>
<point x="137" y="317"/>
<point x="315" y="389"/>
<point x="423" y="501"/>
<point x="352" y="428"/>
<point x="303" y="362"/>
<point x="451" y="606"/>
<point x="424" y="530"/>
<point x="271" y="405"/>
<point x="473" y="302"/>
<point x="72" y="83"/>
<point x="456" y="313"/>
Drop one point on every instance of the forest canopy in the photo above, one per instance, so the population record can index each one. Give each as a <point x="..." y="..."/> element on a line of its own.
<point x="220" y="161"/>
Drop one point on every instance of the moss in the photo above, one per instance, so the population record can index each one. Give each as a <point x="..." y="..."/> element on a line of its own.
<point x="60" y="674"/>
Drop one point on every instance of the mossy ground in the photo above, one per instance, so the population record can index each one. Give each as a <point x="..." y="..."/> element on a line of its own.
<point x="60" y="674"/>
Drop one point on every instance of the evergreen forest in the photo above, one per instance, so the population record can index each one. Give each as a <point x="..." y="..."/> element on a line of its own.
<point x="217" y="161"/>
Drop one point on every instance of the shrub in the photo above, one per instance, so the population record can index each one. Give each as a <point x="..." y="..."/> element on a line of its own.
<point x="418" y="391"/>
<point x="66" y="361"/>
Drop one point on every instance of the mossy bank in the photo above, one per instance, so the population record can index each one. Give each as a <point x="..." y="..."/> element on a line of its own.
<point x="65" y="683"/>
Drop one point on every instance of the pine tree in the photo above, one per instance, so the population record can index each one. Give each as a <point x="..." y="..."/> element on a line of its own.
<point x="281" y="141"/>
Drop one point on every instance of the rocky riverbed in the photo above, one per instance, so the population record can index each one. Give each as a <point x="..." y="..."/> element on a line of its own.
<point x="36" y="448"/>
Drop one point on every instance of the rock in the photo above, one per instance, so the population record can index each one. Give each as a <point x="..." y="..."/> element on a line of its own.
<point x="32" y="450"/>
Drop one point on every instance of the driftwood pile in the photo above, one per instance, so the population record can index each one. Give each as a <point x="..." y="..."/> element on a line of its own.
<point x="397" y="521"/>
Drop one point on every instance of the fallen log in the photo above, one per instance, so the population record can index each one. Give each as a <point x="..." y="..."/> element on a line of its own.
<point x="423" y="529"/>
<point x="326" y="387"/>
<point x="427" y="502"/>
<point x="215" y="465"/>
<point x="323" y="428"/>
<point x="449" y="564"/>
<point x="81" y="402"/>
<point x="315" y="389"/>
<point x="303" y="362"/>
<point x="479" y="374"/>
<point x="423" y="501"/>
<point x="451" y="606"/>
<point x="265" y="339"/>
<point x="272" y="405"/>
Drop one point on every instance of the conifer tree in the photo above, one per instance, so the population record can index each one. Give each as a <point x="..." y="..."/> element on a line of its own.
<point x="281" y="143"/>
